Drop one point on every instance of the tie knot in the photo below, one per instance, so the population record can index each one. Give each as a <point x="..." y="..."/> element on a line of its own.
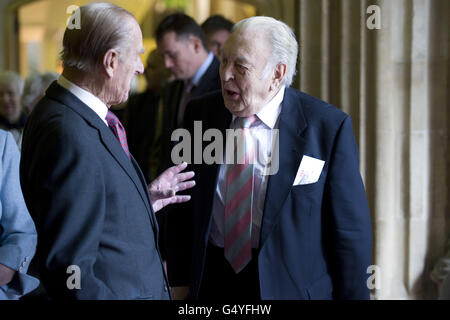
<point x="112" y="119"/>
<point x="246" y="122"/>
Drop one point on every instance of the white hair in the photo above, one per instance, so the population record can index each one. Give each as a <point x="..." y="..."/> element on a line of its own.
<point x="103" y="26"/>
<point x="35" y="85"/>
<point x="281" y="40"/>
<point x="7" y="77"/>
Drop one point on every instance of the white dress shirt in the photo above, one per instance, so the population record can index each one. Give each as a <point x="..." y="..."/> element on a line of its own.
<point x="86" y="97"/>
<point x="261" y="133"/>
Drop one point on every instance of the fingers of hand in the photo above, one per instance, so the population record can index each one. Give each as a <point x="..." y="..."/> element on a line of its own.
<point x="180" y="199"/>
<point x="177" y="169"/>
<point x="184" y="185"/>
<point x="185" y="176"/>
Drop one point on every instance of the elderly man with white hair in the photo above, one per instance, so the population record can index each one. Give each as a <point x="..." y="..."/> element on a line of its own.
<point x="94" y="213"/>
<point x="12" y="117"/>
<point x="296" y="227"/>
<point x="34" y="89"/>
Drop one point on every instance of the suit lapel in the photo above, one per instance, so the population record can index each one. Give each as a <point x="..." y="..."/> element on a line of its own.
<point x="291" y="144"/>
<point x="112" y="144"/>
<point x="144" y="184"/>
<point x="108" y="138"/>
<point x="221" y="120"/>
<point x="207" y="81"/>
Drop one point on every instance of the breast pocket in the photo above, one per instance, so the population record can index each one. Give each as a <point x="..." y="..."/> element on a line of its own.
<point x="310" y="187"/>
<point x="308" y="196"/>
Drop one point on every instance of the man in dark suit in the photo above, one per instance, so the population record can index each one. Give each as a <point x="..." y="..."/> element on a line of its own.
<point x="217" y="29"/>
<point x="181" y="42"/>
<point x="293" y="224"/>
<point x="97" y="231"/>
<point x="144" y="113"/>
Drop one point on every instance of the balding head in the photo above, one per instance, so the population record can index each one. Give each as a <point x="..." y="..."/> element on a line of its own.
<point x="103" y="26"/>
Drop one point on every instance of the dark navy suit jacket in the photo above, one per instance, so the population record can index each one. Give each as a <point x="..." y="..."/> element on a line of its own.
<point x="90" y="205"/>
<point x="316" y="240"/>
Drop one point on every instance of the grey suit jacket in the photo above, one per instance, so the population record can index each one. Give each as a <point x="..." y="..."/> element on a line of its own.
<point x="90" y="204"/>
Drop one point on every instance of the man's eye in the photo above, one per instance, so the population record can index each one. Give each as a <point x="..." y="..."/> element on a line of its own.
<point x="241" y="68"/>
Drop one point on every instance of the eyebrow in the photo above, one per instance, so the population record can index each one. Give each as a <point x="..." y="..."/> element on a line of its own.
<point x="243" y="61"/>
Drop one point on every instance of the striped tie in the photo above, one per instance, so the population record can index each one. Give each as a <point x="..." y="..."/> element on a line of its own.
<point x="238" y="200"/>
<point x="119" y="131"/>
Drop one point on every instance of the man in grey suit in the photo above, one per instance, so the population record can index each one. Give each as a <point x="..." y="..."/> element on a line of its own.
<point x="94" y="213"/>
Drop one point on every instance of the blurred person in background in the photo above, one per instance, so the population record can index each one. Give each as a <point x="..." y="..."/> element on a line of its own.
<point x="217" y="30"/>
<point x="144" y="121"/>
<point x="181" y="42"/>
<point x="143" y="117"/>
<point x="12" y="117"/>
<point x="440" y="274"/>
<point x="17" y="231"/>
<point x="35" y="86"/>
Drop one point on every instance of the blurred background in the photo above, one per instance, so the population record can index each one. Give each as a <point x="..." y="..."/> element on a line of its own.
<point x="384" y="62"/>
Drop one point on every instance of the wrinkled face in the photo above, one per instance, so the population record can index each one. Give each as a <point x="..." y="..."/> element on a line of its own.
<point x="129" y="66"/>
<point x="216" y="40"/>
<point x="9" y="100"/>
<point x="178" y="55"/>
<point x="244" y="58"/>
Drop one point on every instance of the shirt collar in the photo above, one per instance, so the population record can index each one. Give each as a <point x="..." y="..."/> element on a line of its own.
<point x="86" y="97"/>
<point x="270" y="112"/>
<point x="201" y="71"/>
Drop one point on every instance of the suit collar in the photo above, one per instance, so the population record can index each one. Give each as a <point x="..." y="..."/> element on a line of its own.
<point x="98" y="106"/>
<point x="109" y="140"/>
<point x="203" y="68"/>
<point x="270" y="112"/>
<point x="208" y="79"/>
<point x="291" y="145"/>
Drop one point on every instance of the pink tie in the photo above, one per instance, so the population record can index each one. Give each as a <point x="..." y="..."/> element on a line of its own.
<point x="119" y="131"/>
<point x="238" y="201"/>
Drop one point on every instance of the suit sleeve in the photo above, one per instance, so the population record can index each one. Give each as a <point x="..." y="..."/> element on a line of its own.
<point x="71" y="206"/>
<point x="350" y="227"/>
<point x="17" y="231"/>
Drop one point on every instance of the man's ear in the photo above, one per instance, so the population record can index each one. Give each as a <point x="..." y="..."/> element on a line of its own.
<point x="110" y="62"/>
<point x="279" y="73"/>
<point x="196" y="43"/>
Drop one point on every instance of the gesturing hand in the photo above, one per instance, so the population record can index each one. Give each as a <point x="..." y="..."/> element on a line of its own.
<point x="164" y="188"/>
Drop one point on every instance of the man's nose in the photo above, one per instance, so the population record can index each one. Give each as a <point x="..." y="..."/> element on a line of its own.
<point x="226" y="73"/>
<point x="168" y="63"/>
<point x="140" y="67"/>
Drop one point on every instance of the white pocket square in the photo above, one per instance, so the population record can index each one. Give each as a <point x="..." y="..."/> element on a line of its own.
<point x="308" y="171"/>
